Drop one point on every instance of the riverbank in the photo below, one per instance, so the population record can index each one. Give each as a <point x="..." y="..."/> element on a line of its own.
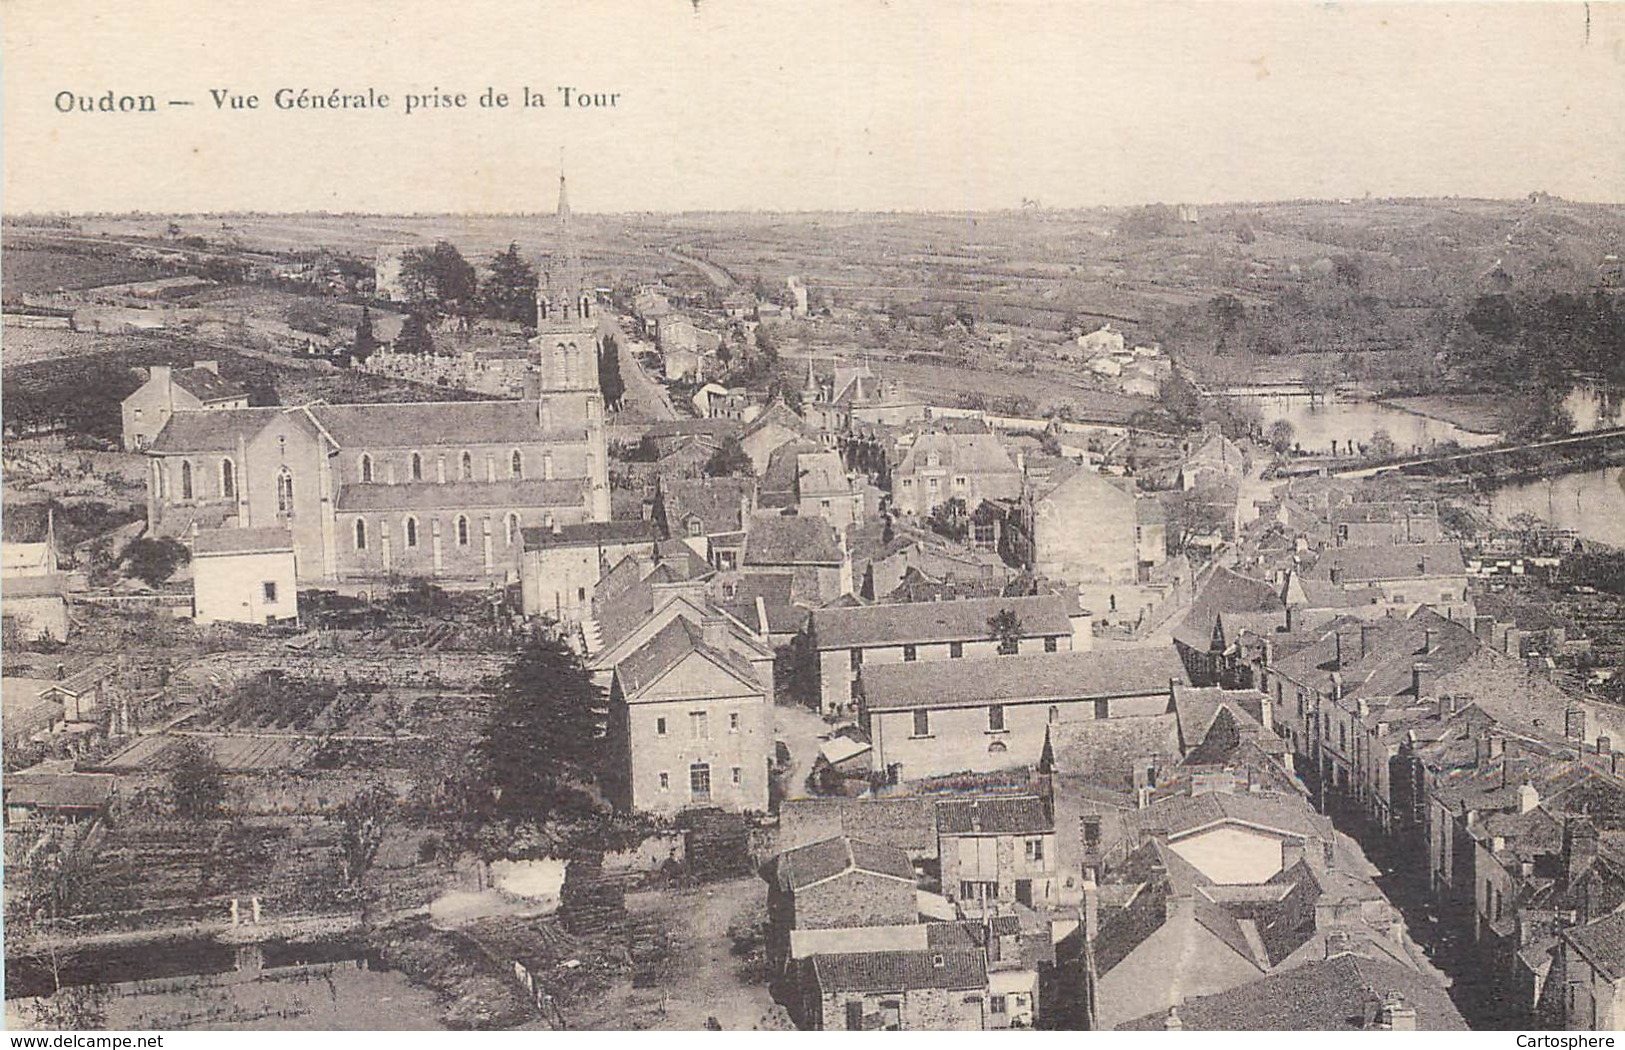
<point x="1475" y="413"/>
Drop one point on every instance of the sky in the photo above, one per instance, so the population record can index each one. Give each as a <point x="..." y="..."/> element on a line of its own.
<point x="831" y="105"/>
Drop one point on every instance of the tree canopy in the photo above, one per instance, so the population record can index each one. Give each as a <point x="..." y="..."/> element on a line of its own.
<point x="439" y="278"/>
<point x="610" y="382"/>
<point x="509" y="293"/>
<point x="730" y="460"/>
<point x="543" y="735"/>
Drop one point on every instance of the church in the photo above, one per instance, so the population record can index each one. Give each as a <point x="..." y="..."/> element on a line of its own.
<point x="439" y="490"/>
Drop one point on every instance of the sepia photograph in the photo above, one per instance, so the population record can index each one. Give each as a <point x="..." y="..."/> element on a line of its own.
<point x="879" y="515"/>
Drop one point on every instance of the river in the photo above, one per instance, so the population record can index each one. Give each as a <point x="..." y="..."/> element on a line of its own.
<point x="1317" y="423"/>
<point x="1591" y="503"/>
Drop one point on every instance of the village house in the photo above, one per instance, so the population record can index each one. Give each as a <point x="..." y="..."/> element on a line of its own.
<point x="843" y="641"/>
<point x="774" y="426"/>
<point x="710" y="515"/>
<point x="169" y="390"/>
<point x="940" y="466"/>
<point x="73" y="797"/>
<point x="1090" y="530"/>
<point x="1590" y="976"/>
<point x="562" y="565"/>
<point x="825" y="490"/>
<point x="34" y="588"/>
<point x="806" y="549"/>
<point x="1379" y="578"/>
<point x="1216" y="461"/>
<point x="689" y="723"/>
<point x="938" y="716"/>
<point x="244" y="576"/>
<point x="835" y="884"/>
<point x="997" y="850"/>
<point x="933" y="991"/>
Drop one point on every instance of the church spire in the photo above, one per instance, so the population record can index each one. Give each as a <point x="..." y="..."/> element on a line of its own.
<point x="565" y="298"/>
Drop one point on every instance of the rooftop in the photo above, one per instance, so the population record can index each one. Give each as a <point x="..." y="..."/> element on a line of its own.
<point x="776" y="539"/>
<point x="504" y="494"/>
<point x="1038" y="678"/>
<point x="804" y="866"/>
<point x="994" y="816"/>
<point x="241" y="541"/>
<point x="957" y="969"/>
<point x="963" y="620"/>
<point x="589" y="534"/>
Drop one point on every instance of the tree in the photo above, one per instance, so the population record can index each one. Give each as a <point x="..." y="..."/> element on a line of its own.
<point x="414" y="337"/>
<point x="509" y="294"/>
<point x="768" y="345"/>
<point x="1280" y="435"/>
<point x="195" y="782"/>
<point x="365" y="342"/>
<point x="154" y="561"/>
<point x="730" y="460"/>
<point x="1382" y="445"/>
<point x="1005" y="628"/>
<point x="361" y="830"/>
<point x="439" y="278"/>
<point x="544" y="731"/>
<point x="610" y="383"/>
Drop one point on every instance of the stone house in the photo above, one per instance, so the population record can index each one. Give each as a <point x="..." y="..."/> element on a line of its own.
<point x="689" y="724"/>
<point x="838" y="883"/>
<point x="807" y="549"/>
<point x="244" y="576"/>
<point x="169" y="390"/>
<point x="941" y="466"/>
<point x="933" y="717"/>
<point x="997" y="850"/>
<point x="561" y="566"/>
<point x="931" y="991"/>
<point x="845" y="640"/>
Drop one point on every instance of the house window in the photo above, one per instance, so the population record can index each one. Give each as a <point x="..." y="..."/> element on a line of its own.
<point x="922" y="722"/>
<point x="513" y="528"/>
<point x="995" y="718"/>
<point x="665" y="781"/>
<point x="854" y="1015"/>
<point x="417" y="467"/>
<point x="1035" y="849"/>
<point x="1054" y="714"/>
<point x="284" y="491"/>
<point x="855" y="690"/>
<point x="660" y="727"/>
<point x="959" y="483"/>
<point x="739" y="776"/>
<point x="857" y="659"/>
<point x="547" y="466"/>
<point x="956" y="650"/>
<point x="366" y="467"/>
<point x="1051" y="644"/>
<point x="910" y="654"/>
<point x="1009" y="646"/>
<point x="360" y="534"/>
<point x="699" y="724"/>
<point x="733" y="722"/>
<point x="516" y="464"/>
<point x="466" y="469"/>
<point x="186" y="480"/>
<point x="411" y="530"/>
<point x="696" y="527"/>
<point x="462" y="531"/>
<point x="699" y="781"/>
<point x="228" y="479"/>
<point x="1091" y="833"/>
<point x="268" y="588"/>
<point x="1103" y="709"/>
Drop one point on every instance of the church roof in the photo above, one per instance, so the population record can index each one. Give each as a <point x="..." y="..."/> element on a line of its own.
<point x="509" y="493"/>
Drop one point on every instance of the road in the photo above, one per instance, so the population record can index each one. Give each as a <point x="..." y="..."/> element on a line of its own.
<point x="713" y="273"/>
<point x="641" y="389"/>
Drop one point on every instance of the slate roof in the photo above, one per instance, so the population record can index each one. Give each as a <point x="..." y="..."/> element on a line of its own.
<point x="715" y="501"/>
<point x="1036" y="678"/>
<point x="1330" y="995"/>
<point x="241" y="541"/>
<point x="907" y="822"/>
<point x="964" y="453"/>
<point x="1109" y="746"/>
<point x="1226" y="592"/>
<point x="1602" y="943"/>
<point x="59" y="790"/>
<point x="1402" y="561"/>
<point x="590" y="534"/>
<point x="957" y="969"/>
<point x="820" y="474"/>
<point x="212" y="430"/>
<point x="798" y="868"/>
<point x="994" y="816"/>
<point x="669" y="645"/>
<point x="1185" y="814"/>
<point x="776" y="539"/>
<point x="504" y="494"/>
<point x="206" y="386"/>
<point x="962" y="620"/>
<point x="781" y="473"/>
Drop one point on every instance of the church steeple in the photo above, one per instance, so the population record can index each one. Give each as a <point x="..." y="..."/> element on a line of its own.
<point x="565" y="298"/>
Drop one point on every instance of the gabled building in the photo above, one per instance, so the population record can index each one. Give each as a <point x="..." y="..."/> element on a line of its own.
<point x="940" y="466"/>
<point x="689" y="723"/>
<point x="845" y="640"/>
<point x="561" y="566"/>
<point x="244" y="576"/>
<point x="169" y="390"/>
<point x="997" y="850"/>
<point x="710" y="515"/>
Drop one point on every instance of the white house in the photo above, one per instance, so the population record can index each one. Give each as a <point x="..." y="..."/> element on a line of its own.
<point x="243" y="576"/>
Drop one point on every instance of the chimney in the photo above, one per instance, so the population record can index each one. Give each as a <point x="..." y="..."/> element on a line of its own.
<point x="1574" y="725"/>
<point x="1173" y="1022"/>
<point x="1427" y="641"/>
<point x="1336" y="574"/>
<point x="1422" y="679"/>
<point x="1579" y="846"/>
<point x="162" y="373"/>
<point x="208" y="366"/>
<point x="1528" y="797"/>
<point x="1365" y="640"/>
<point x="1091" y="909"/>
<point x="1337" y="943"/>
<point x="61" y="671"/>
<point x="1291" y="853"/>
<point x="1604" y="745"/>
<point x="1397" y="1014"/>
<point x="1183" y="905"/>
<point x="1613" y="762"/>
<point x="1497" y="745"/>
